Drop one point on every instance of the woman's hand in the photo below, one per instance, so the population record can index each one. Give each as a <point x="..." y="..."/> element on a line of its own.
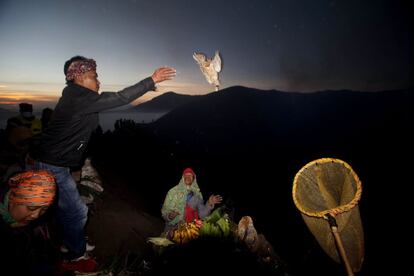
<point x="172" y="215"/>
<point x="214" y="199"/>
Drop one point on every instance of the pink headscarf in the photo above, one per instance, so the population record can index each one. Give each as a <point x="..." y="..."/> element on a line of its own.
<point x="189" y="170"/>
<point x="80" y="67"/>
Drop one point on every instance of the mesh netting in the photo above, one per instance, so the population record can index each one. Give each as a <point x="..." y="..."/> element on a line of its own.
<point x="330" y="186"/>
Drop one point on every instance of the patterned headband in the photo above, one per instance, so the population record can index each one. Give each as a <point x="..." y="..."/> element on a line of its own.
<point x="32" y="188"/>
<point x="80" y="67"/>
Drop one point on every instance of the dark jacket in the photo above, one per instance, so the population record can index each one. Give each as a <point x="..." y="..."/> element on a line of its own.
<point x="75" y="117"/>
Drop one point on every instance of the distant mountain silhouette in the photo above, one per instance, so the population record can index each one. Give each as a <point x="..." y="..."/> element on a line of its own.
<point x="147" y="111"/>
<point x="240" y="115"/>
<point x="164" y="103"/>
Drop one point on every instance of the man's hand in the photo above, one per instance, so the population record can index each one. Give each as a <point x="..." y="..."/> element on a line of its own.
<point x="163" y="73"/>
<point x="172" y="215"/>
<point x="214" y="199"/>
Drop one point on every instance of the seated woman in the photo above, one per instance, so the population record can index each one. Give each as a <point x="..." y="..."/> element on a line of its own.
<point x="184" y="202"/>
<point x="28" y="196"/>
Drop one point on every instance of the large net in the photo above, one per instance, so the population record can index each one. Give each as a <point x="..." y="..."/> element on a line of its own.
<point x="329" y="187"/>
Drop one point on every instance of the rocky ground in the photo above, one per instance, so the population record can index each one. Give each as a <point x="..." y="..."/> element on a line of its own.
<point x="119" y="227"/>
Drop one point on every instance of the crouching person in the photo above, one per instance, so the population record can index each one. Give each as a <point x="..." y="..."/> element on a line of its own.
<point x="27" y="197"/>
<point x="184" y="202"/>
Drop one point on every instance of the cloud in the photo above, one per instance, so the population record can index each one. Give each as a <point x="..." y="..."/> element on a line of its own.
<point x="10" y="99"/>
<point x="43" y="95"/>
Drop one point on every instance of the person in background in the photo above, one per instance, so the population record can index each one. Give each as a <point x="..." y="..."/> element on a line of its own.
<point x="184" y="202"/>
<point x="46" y="117"/>
<point x="20" y="131"/>
<point x="62" y="144"/>
<point x="26" y="118"/>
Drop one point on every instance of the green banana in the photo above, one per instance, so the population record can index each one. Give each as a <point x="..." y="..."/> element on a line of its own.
<point x="205" y="229"/>
<point x="214" y="217"/>
<point x="224" y="226"/>
<point x="215" y="230"/>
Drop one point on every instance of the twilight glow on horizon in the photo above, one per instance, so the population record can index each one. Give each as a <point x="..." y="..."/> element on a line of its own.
<point x="286" y="45"/>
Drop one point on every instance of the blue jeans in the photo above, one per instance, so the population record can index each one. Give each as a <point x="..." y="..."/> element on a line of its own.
<point x="72" y="211"/>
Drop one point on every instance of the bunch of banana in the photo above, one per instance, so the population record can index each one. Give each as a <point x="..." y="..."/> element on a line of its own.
<point x="224" y="225"/>
<point x="185" y="233"/>
<point x="218" y="228"/>
<point x="210" y="229"/>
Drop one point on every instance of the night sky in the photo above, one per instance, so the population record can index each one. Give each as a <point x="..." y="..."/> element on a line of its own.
<point x="289" y="45"/>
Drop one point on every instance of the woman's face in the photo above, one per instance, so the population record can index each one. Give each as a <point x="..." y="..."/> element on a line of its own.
<point x="25" y="214"/>
<point x="188" y="178"/>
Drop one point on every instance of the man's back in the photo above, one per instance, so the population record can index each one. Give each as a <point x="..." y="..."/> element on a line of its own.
<point x="65" y="139"/>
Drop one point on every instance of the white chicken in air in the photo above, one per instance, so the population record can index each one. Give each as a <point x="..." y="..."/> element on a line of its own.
<point x="210" y="67"/>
